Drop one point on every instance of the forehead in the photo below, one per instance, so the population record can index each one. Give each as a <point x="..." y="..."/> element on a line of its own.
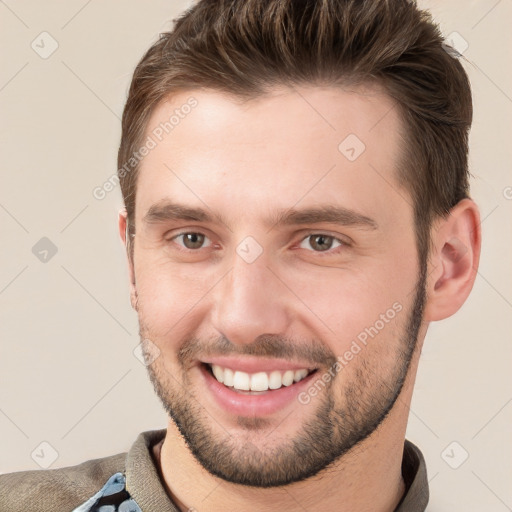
<point x="306" y="144"/>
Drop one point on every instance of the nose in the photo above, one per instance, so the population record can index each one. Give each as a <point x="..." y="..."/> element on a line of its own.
<point x="250" y="301"/>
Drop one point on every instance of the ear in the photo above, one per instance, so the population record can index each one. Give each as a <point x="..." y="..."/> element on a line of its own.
<point x="123" y="233"/>
<point x="453" y="261"/>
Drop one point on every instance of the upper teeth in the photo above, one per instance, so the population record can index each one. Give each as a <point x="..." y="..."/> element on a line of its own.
<point x="260" y="381"/>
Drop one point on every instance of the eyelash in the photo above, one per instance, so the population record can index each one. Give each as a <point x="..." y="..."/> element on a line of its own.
<point x="336" y="250"/>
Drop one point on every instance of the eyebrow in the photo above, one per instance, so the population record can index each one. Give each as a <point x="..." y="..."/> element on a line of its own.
<point x="165" y="211"/>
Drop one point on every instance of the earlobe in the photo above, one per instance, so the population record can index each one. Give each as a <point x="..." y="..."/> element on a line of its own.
<point x="454" y="261"/>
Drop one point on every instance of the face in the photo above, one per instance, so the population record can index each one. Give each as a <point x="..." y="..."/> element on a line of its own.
<point x="276" y="276"/>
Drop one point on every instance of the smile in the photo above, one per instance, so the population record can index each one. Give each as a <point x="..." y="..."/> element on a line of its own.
<point x="254" y="386"/>
<point x="260" y="381"/>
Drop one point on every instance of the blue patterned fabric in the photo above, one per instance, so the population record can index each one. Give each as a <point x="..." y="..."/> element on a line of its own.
<point x="112" y="497"/>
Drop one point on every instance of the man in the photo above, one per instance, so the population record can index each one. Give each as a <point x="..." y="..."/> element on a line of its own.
<point x="297" y="212"/>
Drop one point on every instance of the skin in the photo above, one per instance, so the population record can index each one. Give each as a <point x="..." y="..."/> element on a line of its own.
<point x="243" y="161"/>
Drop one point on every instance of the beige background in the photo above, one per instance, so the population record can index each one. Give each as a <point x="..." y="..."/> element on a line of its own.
<point x="68" y="374"/>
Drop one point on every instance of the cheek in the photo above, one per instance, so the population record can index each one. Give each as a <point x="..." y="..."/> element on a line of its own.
<point x="168" y="295"/>
<point x="343" y="306"/>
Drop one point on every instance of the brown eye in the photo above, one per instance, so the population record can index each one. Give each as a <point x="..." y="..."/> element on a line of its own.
<point x="320" y="243"/>
<point x="191" y="240"/>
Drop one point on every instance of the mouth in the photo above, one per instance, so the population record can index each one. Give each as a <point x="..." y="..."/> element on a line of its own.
<point x="259" y="382"/>
<point x="259" y="391"/>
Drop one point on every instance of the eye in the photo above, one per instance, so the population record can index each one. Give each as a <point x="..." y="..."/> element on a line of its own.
<point x="321" y="242"/>
<point x="191" y="240"/>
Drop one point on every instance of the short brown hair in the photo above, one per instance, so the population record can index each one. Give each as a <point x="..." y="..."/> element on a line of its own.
<point x="246" y="47"/>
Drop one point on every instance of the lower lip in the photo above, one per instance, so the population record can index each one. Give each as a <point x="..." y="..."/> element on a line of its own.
<point x="263" y="404"/>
